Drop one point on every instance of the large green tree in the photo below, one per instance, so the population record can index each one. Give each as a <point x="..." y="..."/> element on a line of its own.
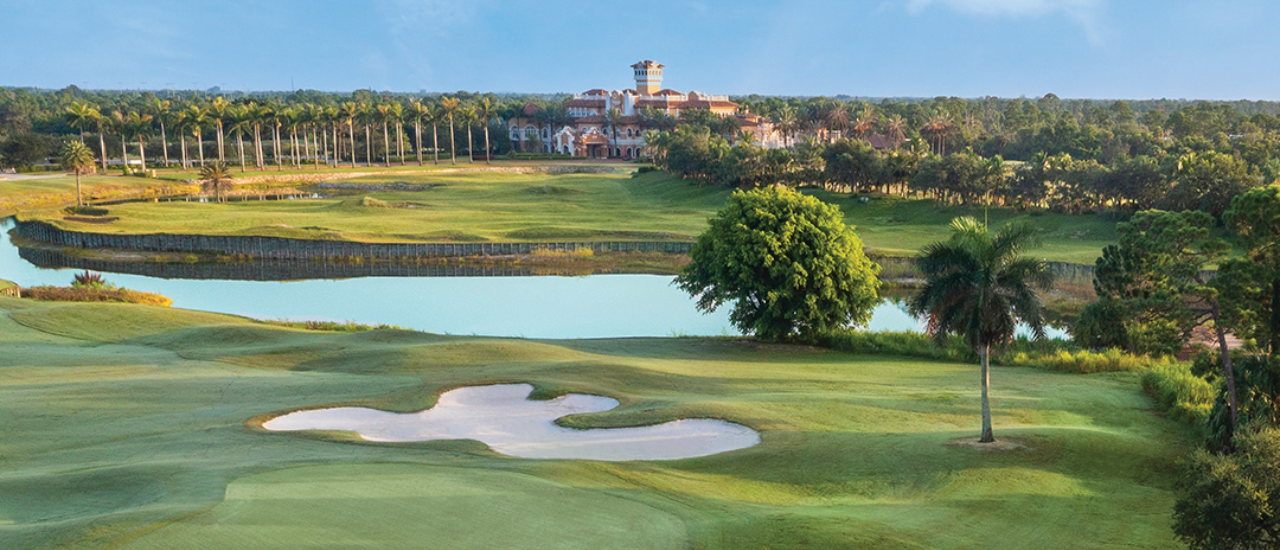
<point x="1251" y="285"/>
<point x="788" y="264"/>
<point x="978" y="286"/>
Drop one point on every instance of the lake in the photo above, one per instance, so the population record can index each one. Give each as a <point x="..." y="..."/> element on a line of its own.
<point x="593" y="306"/>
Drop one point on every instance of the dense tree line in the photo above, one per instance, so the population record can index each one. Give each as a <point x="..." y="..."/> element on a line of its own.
<point x="1184" y="160"/>
<point x="260" y="130"/>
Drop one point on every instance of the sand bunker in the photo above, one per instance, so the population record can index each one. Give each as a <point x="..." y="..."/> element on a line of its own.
<point x="503" y="417"/>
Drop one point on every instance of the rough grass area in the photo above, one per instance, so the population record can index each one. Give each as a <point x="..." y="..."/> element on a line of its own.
<point x="502" y="207"/>
<point x="134" y="427"/>
<point x="56" y="191"/>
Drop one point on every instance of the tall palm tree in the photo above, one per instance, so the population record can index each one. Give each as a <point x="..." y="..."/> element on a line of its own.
<point x="437" y="114"/>
<point x="350" y="112"/>
<point x="119" y="122"/>
<point x="896" y="129"/>
<point x="139" y="125"/>
<point x="216" y="179"/>
<point x="102" y="123"/>
<point x="180" y="124"/>
<point x="289" y="122"/>
<point x="80" y="116"/>
<point x="787" y="123"/>
<point x="218" y="111"/>
<point x="274" y="117"/>
<point x="610" y="122"/>
<point x="978" y="286"/>
<point x="368" y="116"/>
<point x="487" y="110"/>
<point x="318" y="116"/>
<point x="449" y="105"/>
<point x="77" y="157"/>
<point x="241" y="123"/>
<point x="468" y="115"/>
<point x="197" y="121"/>
<point x="382" y="113"/>
<point x="397" y="115"/>
<point x="333" y="115"/>
<point x="160" y="110"/>
<point x="416" y="112"/>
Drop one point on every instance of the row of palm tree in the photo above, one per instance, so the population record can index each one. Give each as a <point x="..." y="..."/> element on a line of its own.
<point x="311" y="131"/>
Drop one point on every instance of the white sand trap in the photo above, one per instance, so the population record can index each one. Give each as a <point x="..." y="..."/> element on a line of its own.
<point x="502" y="417"/>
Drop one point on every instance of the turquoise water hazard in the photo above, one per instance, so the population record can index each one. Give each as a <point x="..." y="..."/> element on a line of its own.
<point x="594" y="306"/>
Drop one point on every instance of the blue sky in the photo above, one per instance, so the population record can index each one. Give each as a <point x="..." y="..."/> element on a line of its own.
<point x="1193" y="49"/>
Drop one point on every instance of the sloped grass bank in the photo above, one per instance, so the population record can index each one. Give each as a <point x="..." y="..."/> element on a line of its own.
<point x="134" y="427"/>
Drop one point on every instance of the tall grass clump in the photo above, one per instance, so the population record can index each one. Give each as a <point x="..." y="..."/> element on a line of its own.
<point x="910" y="344"/>
<point x="1183" y="395"/>
<point x="1086" y="361"/>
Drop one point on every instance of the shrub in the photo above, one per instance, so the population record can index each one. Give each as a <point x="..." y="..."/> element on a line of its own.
<point x="372" y="202"/>
<point x="330" y="326"/>
<point x="86" y="210"/>
<point x="89" y="294"/>
<point x="1183" y="395"/>
<point x="644" y="170"/>
<point x="1229" y="501"/>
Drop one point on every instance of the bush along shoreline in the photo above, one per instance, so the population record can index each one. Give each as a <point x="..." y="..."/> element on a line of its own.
<point x="91" y="287"/>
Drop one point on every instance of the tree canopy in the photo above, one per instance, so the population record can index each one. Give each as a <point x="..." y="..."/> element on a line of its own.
<point x="788" y="264"/>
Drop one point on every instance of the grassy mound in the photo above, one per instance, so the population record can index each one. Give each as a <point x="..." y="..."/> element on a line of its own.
<point x="412" y="506"/>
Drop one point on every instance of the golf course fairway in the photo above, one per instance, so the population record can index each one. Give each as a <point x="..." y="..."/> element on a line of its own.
<point x="137" y="427"/>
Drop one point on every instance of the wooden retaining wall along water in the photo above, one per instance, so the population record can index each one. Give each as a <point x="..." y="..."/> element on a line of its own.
<point x="280" y="248"/>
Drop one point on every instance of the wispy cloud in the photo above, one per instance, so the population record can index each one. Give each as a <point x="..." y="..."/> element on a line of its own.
<point x="1086" y="13"/>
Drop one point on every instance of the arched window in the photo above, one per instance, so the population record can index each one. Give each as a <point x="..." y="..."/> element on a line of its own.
<point x="628" y="151"/>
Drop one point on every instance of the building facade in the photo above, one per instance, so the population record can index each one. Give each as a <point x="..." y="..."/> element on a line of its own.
<point x="609" y="124"/>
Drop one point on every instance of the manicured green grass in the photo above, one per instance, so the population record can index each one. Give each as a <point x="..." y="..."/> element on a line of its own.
<point x="898" y="227"/>
<point x="496" y="207"/>
<point x="133" y="427"/>
<point x="465" y="207"/>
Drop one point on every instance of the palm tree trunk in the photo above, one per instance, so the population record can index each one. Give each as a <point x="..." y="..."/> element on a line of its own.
<point x="240" y="144"/>
<point x="200" y="146"/>
<point x="222" y="155"/>
<point x="453" y="147"/>
<point x="182" y="142"/>
<point x="351" y="129"/>
<point x="386" y="146"/>
<point x="164" y="142"/>
<point x="102" y="148"/>
<point x="471" y="155"/>
<point x="435" y="144"/>
<point x="78" y="201"/>
<point x="987" y="436"/>
<point x="142" y="153"/>
<point x="275" y="146"/>
<point x="124" y="151"/>
<point x="487" y="160"/>
<point x="257" y="145"/>
<point x="368" y="146"/>
<point x="417" y="130"/>
<point x="400" y="141"/>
